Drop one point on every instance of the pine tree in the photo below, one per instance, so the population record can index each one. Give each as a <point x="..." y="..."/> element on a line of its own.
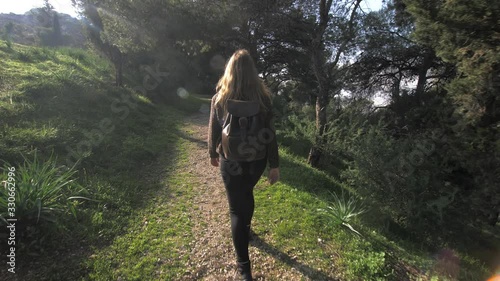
<point x="57" y="39"/>
<point x="7" y="33"/>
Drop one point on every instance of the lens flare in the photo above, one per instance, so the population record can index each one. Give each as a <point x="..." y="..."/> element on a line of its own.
<point x="181" y="92"/>
<point x="217" y="62"/>
<point x="494" y="278"/>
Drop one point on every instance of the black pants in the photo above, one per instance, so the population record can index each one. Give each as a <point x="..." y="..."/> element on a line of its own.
<point x="239" y="179"/>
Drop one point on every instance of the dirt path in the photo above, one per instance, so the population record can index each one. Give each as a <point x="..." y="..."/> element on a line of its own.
<point x="212" y="255"/>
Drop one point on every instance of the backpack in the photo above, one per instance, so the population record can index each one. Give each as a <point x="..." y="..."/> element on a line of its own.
<point x="244" y="135"/>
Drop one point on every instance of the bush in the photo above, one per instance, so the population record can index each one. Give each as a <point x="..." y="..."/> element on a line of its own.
<point x="402" y="174"/>
<point x="342" y="210"/>
<point x="363" y="262"/>
<point x="41" y="192"/>
<point x="24" y="56"/>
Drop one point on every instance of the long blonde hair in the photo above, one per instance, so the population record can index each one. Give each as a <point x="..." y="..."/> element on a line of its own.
<point x="242" y="82"/>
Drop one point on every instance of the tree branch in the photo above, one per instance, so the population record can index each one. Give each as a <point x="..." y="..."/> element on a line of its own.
<point x="350" y="28"/>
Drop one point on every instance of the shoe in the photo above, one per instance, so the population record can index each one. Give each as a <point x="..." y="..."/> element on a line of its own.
<point x="244" y="271"/>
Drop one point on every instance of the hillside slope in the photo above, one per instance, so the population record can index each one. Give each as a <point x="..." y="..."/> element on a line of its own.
<point x="26" y="28"/>
<point x="61" y="104"/>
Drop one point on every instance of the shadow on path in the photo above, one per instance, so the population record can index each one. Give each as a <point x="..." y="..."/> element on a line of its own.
<point x="197" y="141"/>
<point x="311" y="273"/>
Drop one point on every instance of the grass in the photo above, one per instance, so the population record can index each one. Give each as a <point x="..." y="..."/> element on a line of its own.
<point x="62" y="102"/>
<point x="287" y="217"/>
<point x="42" y="193"/>
<point x="154" y="240"/>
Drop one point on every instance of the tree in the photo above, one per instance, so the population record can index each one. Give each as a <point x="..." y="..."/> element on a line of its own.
<point x="311" y="40"/>
<point x="390" y="57"/>
<point x="324" y="71"/>
<point x="8" y="28"/>
<point x="49" y="30"/>
<point x="7" y="33"/>
<point x="95" y="29"/>
<point x="186" y="35"/>
<point x="57" y="38"/>
<point x="44" y="14"/>
<point x="465" y="34"/>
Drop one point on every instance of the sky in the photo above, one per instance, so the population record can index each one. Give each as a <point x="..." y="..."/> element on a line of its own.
<point x="64" y="6"/>
<point x="22" y="6"/>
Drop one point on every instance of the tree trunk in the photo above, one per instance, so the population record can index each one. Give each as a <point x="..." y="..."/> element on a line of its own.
<point x="396" y="87"/>
<point x="117" y="58"/>
<point x="321" y="105"/>
<point x="316" y="150"/>
<point x="320" y="71"/>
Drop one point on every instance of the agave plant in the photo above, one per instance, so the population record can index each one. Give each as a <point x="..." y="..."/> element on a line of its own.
<point x="342" y="210"/>
<point x="42" y="192"/>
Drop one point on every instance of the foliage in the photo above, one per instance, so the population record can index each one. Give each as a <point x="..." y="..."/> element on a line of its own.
<point x="427" y="160"/>
<point x="7" y="34"/>
<point x="365" y="265"/>
<point x="465" y="33"/>
<point x="43" y="192"/>
<point x="59" y="101"/>
<point x="342" y="210"/>
<point x="409" y="174"/>
<point x="401" y="180"/>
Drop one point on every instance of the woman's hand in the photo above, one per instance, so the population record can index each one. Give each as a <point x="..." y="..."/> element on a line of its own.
<point x="214" y="162"/>
<point x="274" y="175"/>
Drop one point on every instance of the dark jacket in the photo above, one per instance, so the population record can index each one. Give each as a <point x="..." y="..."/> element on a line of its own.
<point x="215" y="134"/>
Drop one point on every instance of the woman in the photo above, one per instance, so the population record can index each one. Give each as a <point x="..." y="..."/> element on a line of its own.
<point x="241" y="82"/>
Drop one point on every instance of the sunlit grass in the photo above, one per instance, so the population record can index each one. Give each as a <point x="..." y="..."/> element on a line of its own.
<point x="43" y="192"/>
<point x="155" y="238"/>
<point x="287" y="218"/>
<point x="55" y="97"/>
<point x="59" y="97"/>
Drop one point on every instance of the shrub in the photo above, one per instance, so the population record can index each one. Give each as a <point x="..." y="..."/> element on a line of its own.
<point x="342" y="210"/>
<point x="402" y="174"/>
<point x="363" y="262"/>
<point x="41" y="191"/>
<point x="24" y="56"/>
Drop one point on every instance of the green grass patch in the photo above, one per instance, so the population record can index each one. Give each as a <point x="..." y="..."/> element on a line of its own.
<point x="287" y="217"/>
<point x="62" y="103"/>
<point x="156" y="238"/>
